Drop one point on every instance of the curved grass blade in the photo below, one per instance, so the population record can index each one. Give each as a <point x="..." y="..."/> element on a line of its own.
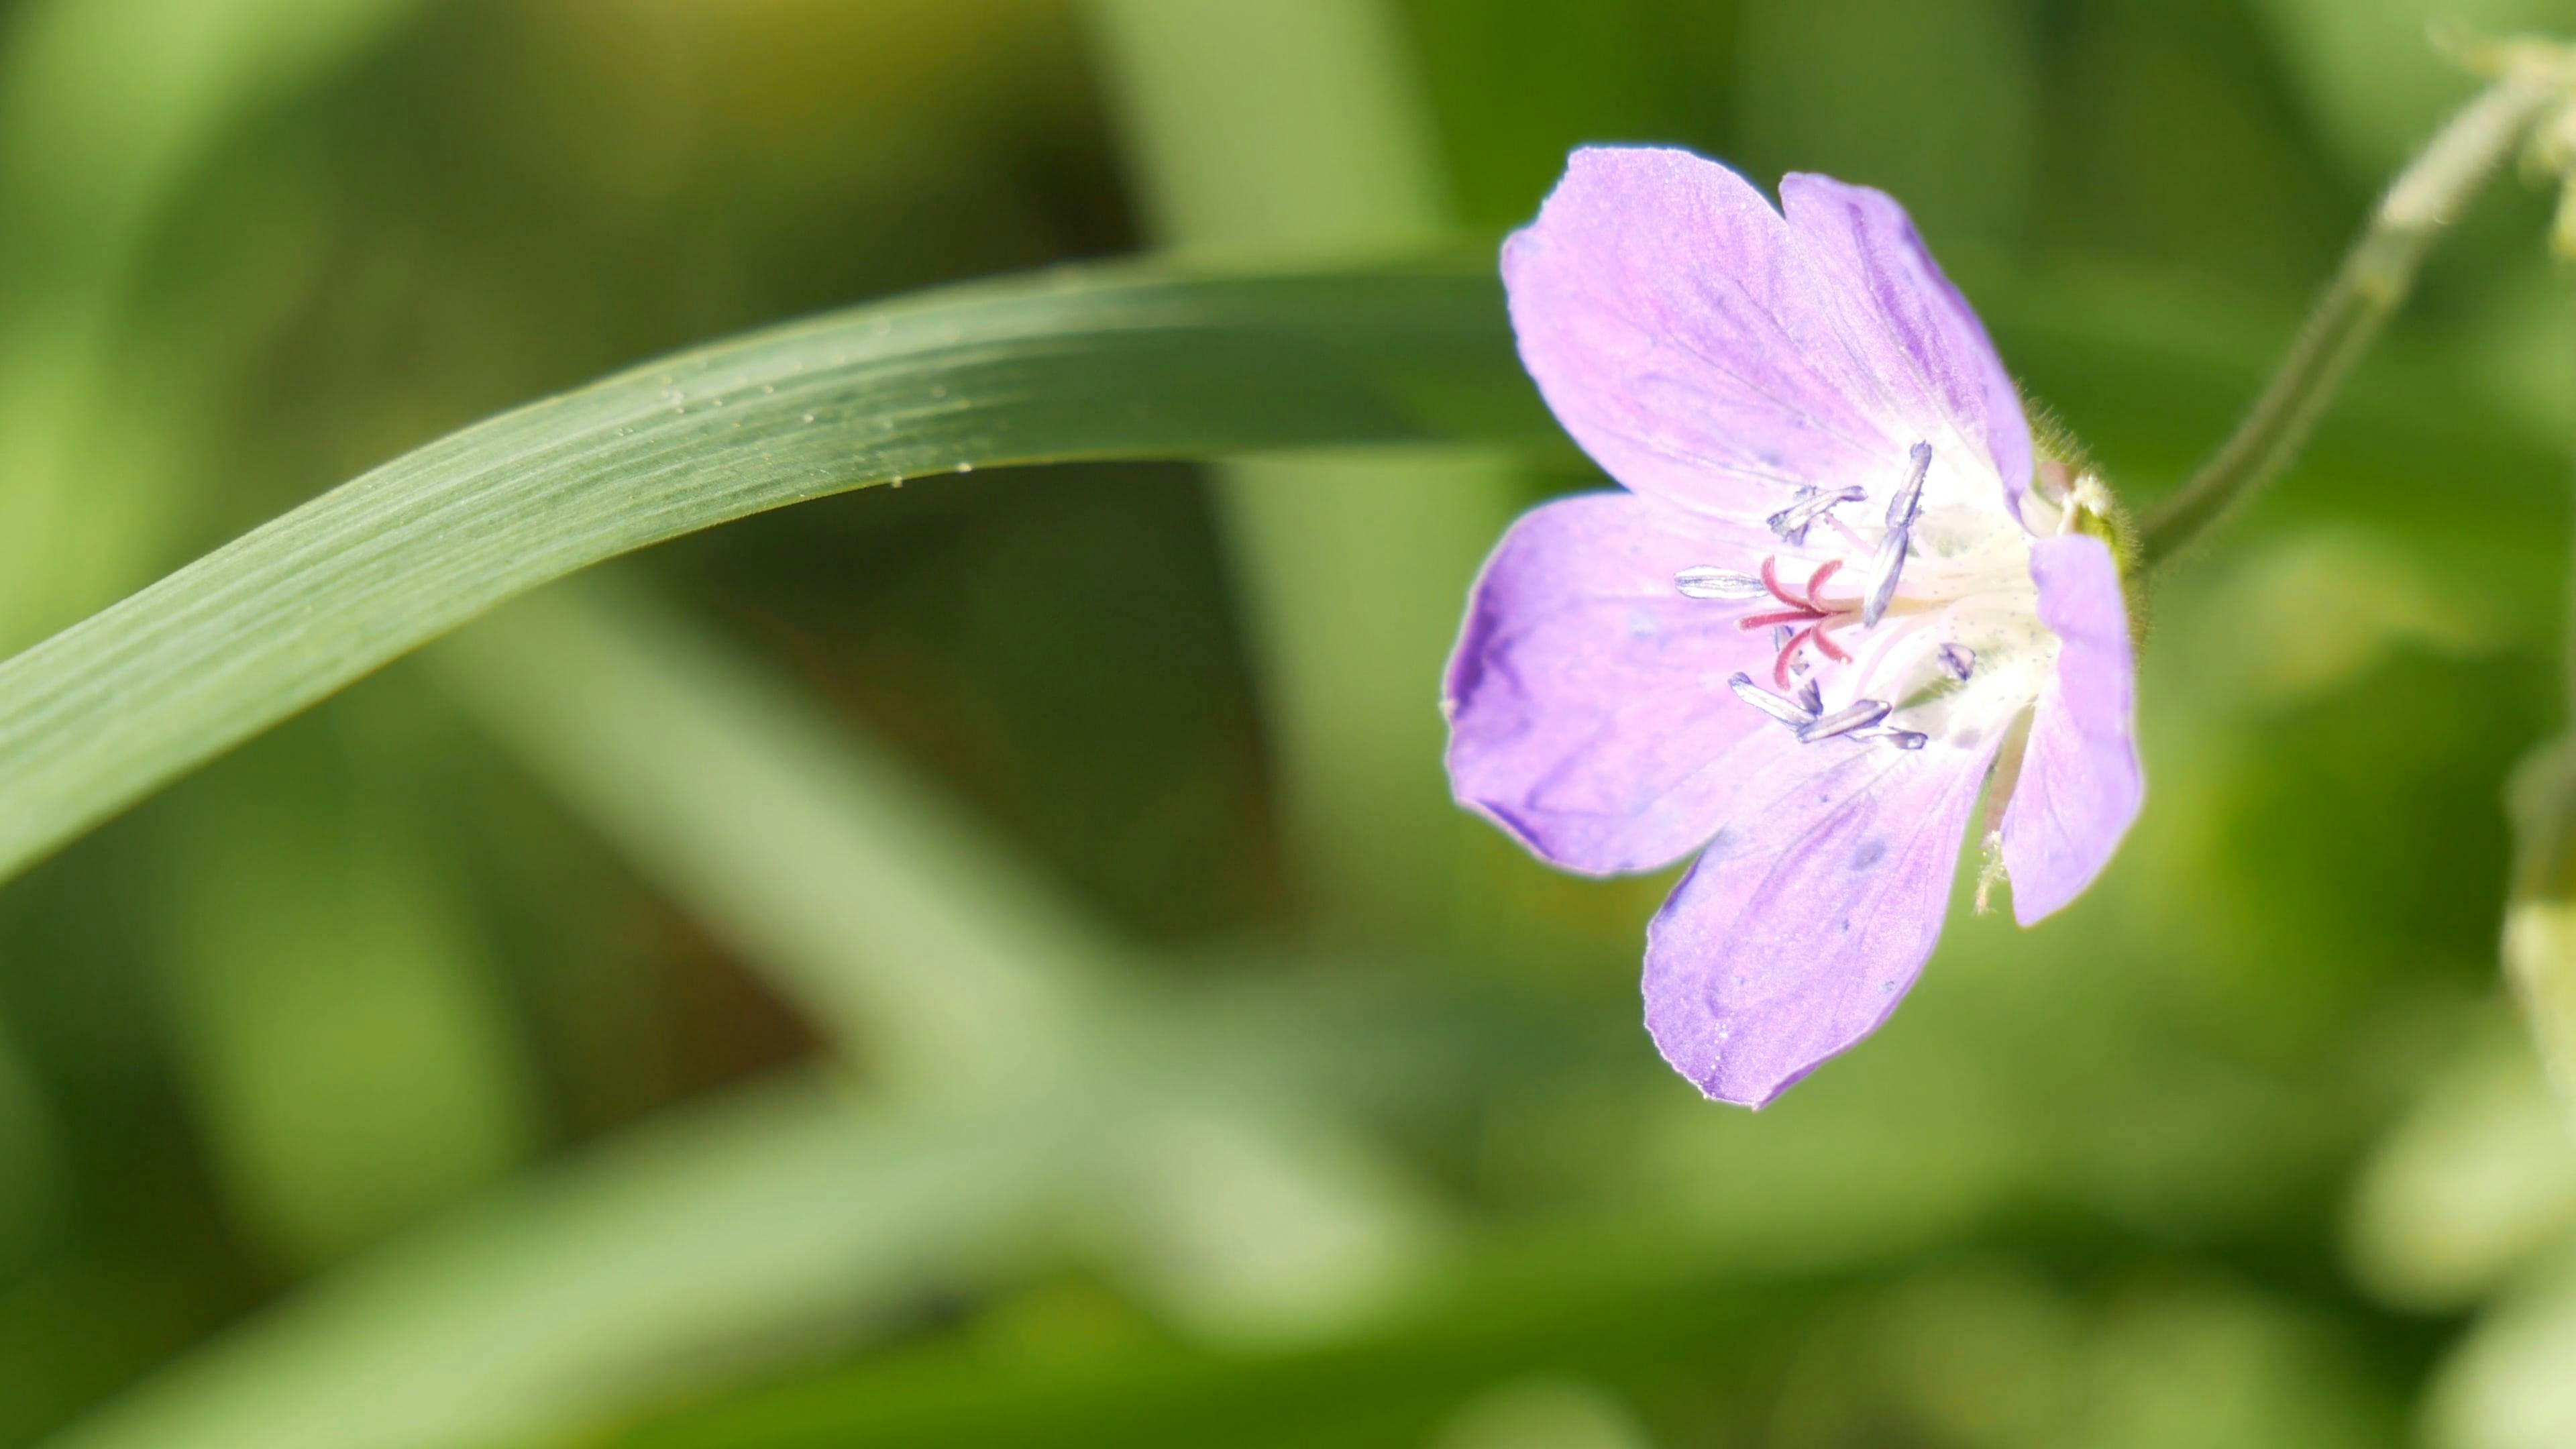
<point x="781" y="1214"/>
<point x="1061" y="366"/>
<point x="903" y="934"/>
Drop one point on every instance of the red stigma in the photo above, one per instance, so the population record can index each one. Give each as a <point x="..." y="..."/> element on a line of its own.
<point x="1803" y="609"/>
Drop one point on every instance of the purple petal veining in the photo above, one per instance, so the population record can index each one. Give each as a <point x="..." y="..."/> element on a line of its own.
<point x="1795" y="937"/>
<point x="2081" y="784"/>
<point x="1579" y="696"/>
<point x="1802" y="636"/>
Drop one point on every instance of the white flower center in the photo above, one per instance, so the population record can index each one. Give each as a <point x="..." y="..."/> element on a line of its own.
<point x="1916" y="626"/>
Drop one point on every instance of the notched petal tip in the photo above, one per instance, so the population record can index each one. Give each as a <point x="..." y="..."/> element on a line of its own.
<point x="1710" y="347"/>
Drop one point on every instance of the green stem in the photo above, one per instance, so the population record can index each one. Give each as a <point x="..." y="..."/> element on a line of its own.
<point x="2375" y="277"/>
<point x="2567" y="650"/>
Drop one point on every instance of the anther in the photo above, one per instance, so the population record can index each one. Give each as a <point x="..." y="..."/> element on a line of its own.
<point x="1785" y="711"/>
<point x="1707" y="582"/>
<point x="1902" y="739"/>
<point x="1885" y="567"/>
<point x="1889" y="562"/>
<point x="1812" y="697"/>
<point x="1908" y="500"/>
<point x="1791" y="523"/>
<point x="1860" y="714"/>
<point x="1959" y="659"/>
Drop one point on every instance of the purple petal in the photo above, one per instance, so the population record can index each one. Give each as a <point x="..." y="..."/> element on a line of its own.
<point x="1935" y="335"/>
<point x="1588" y="707"/>
<point x="2080" y="781"/>
<point x="1704" y="348"/>
<point x="1809" y="916"/>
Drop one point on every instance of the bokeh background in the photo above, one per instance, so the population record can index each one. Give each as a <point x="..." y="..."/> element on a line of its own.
<point x="993" y="962"/>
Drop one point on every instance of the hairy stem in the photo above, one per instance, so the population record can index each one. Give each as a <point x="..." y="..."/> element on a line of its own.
<point x="2375" y="277"/>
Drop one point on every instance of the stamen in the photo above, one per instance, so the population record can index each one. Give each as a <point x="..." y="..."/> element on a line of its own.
<point x="1889" y="562"/>
<point x="1908" y="500"/>
<point x="1812" y="697"/>
<point x="1902" y="739"/>
<point x="1884" y="569"/>
<point x="1791" y="523"/>
<point x="1707" y="582"/>
<point x="1860" y="714"/>
<point x="1959" y="659"/>
<point x="1785" y="711"/>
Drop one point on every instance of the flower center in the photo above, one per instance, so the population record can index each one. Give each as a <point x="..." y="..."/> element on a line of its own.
<point x="1925" y="622"/>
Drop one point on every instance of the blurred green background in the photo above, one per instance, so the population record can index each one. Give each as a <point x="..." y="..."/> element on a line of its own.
<point x="993" y="962"/>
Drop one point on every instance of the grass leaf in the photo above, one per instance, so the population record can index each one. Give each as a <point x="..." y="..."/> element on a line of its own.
<point x="656" y="1261"/>
<point x="876" y="906"/>
<point x="1062" y="366"/>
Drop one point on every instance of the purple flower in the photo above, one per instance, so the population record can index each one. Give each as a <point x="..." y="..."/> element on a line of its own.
<point x="1834" y="595"/>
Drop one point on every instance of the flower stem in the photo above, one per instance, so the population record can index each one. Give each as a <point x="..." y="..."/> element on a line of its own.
<point x="2375" y="277"/>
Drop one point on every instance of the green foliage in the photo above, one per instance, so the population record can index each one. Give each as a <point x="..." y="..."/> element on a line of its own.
<point x="985" y="962"/>
<point x="1054" y="370"/>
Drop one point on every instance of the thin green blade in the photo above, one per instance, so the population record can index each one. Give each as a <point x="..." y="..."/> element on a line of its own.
<point x="1062" y="366"/>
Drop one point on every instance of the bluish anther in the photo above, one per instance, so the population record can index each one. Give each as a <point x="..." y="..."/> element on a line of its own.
<point x="1791" y="523"/>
